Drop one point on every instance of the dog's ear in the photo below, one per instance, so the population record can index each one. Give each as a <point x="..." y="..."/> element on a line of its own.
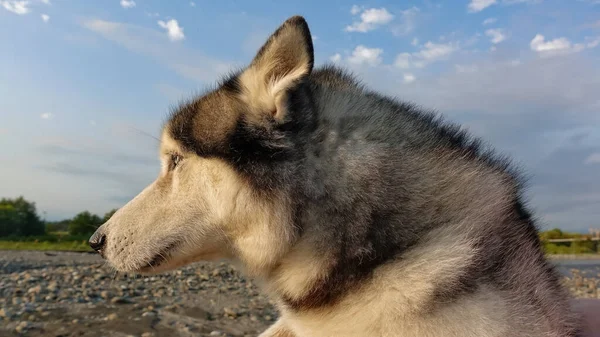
<point x="285" y="59"/>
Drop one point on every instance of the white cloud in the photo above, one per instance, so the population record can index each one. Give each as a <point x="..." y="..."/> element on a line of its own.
<point x="46" y="2"/>
<point x="479" y="5"/>
<point x="496" y="35"/>
<point x="415" y="41"/>
<point x="512" y="2"/>
<point x="429" y="53"/>
<point x="370" y="19"/>
<point x="407" y="22"/>
<point x="356" y="9"/>
<point x="435" y="51"/>
<point x="192" y="4"/>
<point x="127" y="3"/>
<point x="409" y="78"/>
<point x="363" y="55"/>
<point x="593" y="43"/>
<point x="593" y="158"/>
<point x="174" y="31"/>
<point x="489" y="21"/>
<point x="17" y="7"/>
<point x="46" y="115"/>
<point x="560" y="45"/>
<point x="403" y="60"/>
<point x="539" y="44"/>
<point x="336" y="58"/>
<point x="45" y="17"/>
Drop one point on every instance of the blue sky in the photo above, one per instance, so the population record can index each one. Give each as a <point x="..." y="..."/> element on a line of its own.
<point x="86" y="85"/>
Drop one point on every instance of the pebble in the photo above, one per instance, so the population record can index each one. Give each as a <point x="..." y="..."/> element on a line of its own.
<point x="22" y="326"/>
<point x="120" y="300"/>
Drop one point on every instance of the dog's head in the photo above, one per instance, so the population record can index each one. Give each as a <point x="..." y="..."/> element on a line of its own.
<point x="228" y="158"/>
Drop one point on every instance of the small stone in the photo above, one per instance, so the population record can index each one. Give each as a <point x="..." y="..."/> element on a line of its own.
<point x="149" y="314"/>
<point x="216" y="333"/>
<point x="120" y="300"/>
<point x="22" y="326"/>
<point x="104" y="294"/>
<point x="75" y="321"/>
<point x="35" y="290"/>
<point x="111" y="317"/>
<point x="147" y="334"/>
<point x="268" y="318"/>
<point x="4" y="313"/>
<point x="52" y="286"/>
<point x="230" y="312"/>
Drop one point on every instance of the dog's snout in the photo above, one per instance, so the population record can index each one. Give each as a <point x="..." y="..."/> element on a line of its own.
<point x="98" y="240"/>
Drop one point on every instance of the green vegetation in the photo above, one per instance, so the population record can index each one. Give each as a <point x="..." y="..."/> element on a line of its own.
<point x="76" y="246"/>
<point x="19" y="217"/>
<point x="22" y="228"/>
<point x="583" y="245"/>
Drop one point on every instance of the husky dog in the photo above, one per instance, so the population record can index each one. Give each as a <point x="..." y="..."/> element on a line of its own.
<point x="361" y="215"/>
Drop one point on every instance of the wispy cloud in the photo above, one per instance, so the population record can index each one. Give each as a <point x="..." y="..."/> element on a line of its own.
<point x="364" y="55"/>
<point x="406" y="22"/>
<point x="496" y="35"/>
<point x="408" y="78"/>
<point x="430" y="52"/>
<point x="593" y="158"/>
<point x="479" y="5"/>
<point x="188" y="63"/>
<point x="127" y="3"/>
<point x="370" y="19"/>
<point x="17" y="7"/>
<point x="560" y="45"/>
<point x="47" y="115"/>
<point x="174" y="31"/>
<point x="489" y="21"/>
<point x="45" y="17"/>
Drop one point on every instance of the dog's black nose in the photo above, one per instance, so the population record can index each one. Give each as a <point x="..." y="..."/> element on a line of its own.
<point x="97" y="241"/>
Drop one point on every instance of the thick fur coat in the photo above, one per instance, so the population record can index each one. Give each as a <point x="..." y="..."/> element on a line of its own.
<point x="360" y="214"/>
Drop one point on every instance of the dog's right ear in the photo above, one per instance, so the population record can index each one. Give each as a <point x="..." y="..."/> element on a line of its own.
<point x="284" y="60"/>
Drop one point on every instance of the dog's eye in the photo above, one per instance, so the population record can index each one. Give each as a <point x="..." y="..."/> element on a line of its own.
<point x="175" y="159"/>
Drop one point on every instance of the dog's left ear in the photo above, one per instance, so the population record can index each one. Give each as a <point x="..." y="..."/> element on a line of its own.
<point x="285" y="59"/>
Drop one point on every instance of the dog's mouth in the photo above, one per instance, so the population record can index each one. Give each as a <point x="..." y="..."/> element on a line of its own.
<point x="160" y="258"/>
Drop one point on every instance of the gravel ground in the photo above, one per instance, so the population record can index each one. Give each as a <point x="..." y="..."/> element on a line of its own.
<point x="76" y="294"/>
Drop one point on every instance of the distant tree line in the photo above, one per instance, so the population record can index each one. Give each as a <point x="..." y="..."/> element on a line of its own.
<point x="19" y="218"/>
<point x="583" y="245"/>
